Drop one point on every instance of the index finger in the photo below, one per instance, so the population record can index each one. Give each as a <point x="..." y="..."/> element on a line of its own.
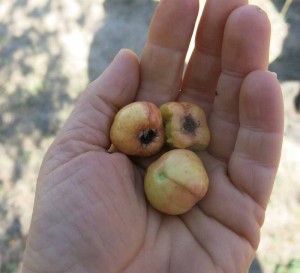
<point x="163" y="56"/>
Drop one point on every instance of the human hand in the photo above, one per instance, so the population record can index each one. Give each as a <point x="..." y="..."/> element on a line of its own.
<point x="90" y="212"/>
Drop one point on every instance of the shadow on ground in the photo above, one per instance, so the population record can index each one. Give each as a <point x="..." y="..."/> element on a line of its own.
<point x="29" y="109"/>
<point x="287" y="65"/>
<point x="124" y="27"/>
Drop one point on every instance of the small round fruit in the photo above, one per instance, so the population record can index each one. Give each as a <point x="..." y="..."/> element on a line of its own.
<point x="138" y="129"/>
<point x="176" y="182"/>
<point x="185" y="125"/>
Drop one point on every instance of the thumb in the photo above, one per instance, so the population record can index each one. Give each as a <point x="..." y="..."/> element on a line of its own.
<point x="95" y="110"/>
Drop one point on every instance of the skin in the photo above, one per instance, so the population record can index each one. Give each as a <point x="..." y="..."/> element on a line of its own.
<point x="90" y="212"/>
<point x="176" y="182"/>
<point x="185" y="125"/>
<point x="138" y="129"/>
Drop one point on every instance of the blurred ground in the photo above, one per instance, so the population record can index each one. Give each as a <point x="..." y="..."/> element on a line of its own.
<point x="51" y="49"/>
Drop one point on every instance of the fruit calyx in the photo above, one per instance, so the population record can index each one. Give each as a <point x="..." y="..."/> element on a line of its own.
<point x="147" y="136"/>
<point x="190" y="125"/>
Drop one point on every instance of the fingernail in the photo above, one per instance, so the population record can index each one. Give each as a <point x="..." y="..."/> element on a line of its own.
<point x="275" y="74"/>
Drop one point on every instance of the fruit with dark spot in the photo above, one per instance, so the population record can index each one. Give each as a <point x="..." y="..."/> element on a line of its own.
<point x="185" y="126"/>
<point x="138" y="129"/>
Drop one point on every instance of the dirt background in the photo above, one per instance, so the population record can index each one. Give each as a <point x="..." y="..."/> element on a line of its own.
<point x="51" y="49"/>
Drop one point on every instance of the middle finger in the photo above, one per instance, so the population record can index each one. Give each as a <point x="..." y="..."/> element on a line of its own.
<point x="204" y="67"/>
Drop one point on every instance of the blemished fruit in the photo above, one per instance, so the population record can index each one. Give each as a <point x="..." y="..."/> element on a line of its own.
<point x="185" y="126"/>
<point x="138" y="129"/>
<point x="175" y="182"/>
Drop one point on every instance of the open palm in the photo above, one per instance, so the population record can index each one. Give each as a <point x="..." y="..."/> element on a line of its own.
<point x="90" y="211"/>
